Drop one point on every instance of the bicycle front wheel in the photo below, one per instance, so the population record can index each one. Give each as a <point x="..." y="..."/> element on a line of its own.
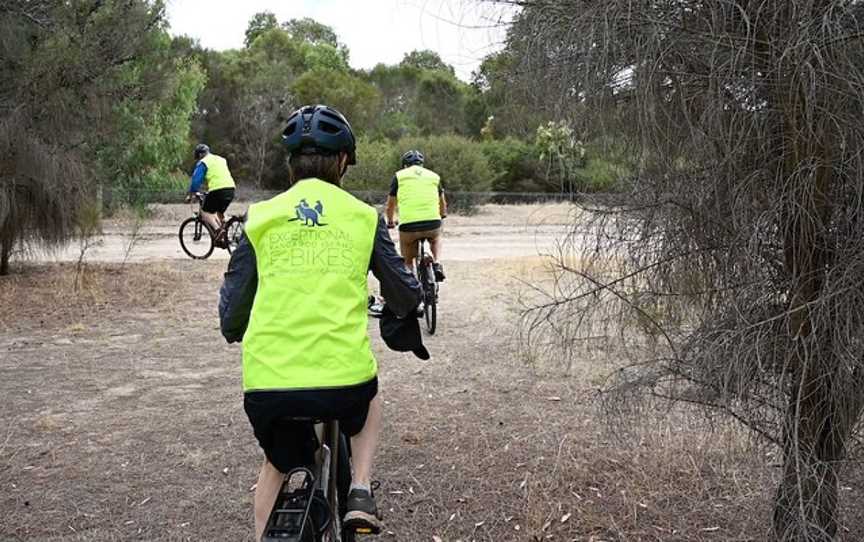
<point x="196" y="239"/>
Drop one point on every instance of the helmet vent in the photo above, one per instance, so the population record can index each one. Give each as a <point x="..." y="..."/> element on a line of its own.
<point x="328" y="127"/>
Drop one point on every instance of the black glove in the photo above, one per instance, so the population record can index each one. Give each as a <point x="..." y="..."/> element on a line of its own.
<point x="402" y="334"/>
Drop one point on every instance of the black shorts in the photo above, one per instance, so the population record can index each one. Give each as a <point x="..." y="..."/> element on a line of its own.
<point x="291" y="443"/>
<point x="218" y="200"/>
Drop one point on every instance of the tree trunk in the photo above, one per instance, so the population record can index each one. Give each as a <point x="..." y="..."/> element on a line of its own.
<point x="816" y="424"/>
<point x="5" y="254"/>
<point x="805" y="508"/>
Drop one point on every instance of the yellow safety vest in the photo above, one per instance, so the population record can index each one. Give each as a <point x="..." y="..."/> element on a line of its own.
<point x="218" y="175"/>
<point x="307" y="330"/>
<point x="418" y="195"/>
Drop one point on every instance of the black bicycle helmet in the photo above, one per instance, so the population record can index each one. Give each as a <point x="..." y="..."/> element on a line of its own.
<point x="201" y="150"/>
<point x="319" y="129"/>
<point x="412" y="158"/>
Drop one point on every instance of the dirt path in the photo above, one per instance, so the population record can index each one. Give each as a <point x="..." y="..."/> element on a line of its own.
<point x="462" y="243"/>
<point x="495" y="232"/>
<point x="122" y="412"/>
<point x="128" y="425"/>
<point x="122" y="420"/>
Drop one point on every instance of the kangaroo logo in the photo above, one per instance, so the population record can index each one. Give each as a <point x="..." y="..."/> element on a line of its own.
<point x="311" y="216"/>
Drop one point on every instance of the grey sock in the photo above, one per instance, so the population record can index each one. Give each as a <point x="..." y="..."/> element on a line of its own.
<point x="364" y="487"/>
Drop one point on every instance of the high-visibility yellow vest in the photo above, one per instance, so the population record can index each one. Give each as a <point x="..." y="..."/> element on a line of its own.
<point x="418" y="194"/>
<point x="307" y="330"/>
<point x="218" y="175"/>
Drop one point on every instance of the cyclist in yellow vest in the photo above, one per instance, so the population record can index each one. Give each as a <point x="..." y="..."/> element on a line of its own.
<point x="420" y="197"/>
<point x="295" y="294"/>
<point x="212" y="170"/>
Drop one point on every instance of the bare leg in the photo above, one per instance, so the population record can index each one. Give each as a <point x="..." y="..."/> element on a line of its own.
<point x="363" y="444"/>
<point x="212" y="220"/>
<point x="269" y="483"/>
<point x="404" y="251"/>
<point x="435" y="246"/>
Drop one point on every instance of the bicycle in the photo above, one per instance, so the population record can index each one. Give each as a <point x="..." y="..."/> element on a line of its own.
<point x="425" y="270"/>
<point x="429" y="285"/>
<point x="312" y="500"/>
<point x="199" y="246"/>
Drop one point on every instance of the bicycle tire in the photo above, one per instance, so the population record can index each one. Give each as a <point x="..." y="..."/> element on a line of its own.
<point x="196" y="233"/>
<point x="234" y="233"/>
<point x="431" y="299"/>
<point x="338" y="487"/>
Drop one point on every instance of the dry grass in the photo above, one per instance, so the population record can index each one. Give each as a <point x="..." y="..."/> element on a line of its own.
<point x="46" y="294"/>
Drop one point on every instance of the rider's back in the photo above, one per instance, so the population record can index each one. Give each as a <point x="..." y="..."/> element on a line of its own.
<point x="218" y="175"/>
<point x="418" y="192"/>
<point x="308" y="325"/>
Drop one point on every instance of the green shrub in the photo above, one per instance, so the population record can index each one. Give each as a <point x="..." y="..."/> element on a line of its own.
<point x="599" y="175"/>
<point x="377" y="161"/>
<point x="505" y="165"/>
<point x="515" y="165"/>
<point x="606" y="164"/>
<point x="461" y="164"/>
<point x="458" y="160"/>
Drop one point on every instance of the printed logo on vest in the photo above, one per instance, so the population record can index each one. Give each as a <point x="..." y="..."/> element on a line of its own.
<point x="311" y="216"/>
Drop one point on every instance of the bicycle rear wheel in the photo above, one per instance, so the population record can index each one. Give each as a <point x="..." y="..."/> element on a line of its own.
<point x="343" y="482"/>
<point x="196" y="239"/>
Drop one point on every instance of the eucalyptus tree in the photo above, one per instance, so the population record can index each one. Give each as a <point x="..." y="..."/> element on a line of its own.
<point x="735" y="256"/>
<point x="66" y="66"/>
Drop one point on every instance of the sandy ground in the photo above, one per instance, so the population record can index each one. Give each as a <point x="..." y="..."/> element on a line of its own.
<point x="122" y="414"/>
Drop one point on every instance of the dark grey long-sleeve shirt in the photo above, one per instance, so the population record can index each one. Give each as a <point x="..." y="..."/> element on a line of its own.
<point x="398" y="286"/>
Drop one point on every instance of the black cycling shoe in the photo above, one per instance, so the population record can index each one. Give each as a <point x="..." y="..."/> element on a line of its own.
<point x="362" y="516"/>
<point x="439" y="272"/>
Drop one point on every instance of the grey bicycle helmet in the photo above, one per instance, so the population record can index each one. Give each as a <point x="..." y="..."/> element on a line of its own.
<point x="412" y="158"/>
<point x="201" y="150"/>
<point x="319" y="129"/>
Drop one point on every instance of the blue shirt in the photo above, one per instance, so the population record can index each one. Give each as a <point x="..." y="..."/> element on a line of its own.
<point x="198" y="177"/>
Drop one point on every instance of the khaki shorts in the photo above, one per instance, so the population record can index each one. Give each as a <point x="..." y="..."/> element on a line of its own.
<point x="409" y="242"/>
